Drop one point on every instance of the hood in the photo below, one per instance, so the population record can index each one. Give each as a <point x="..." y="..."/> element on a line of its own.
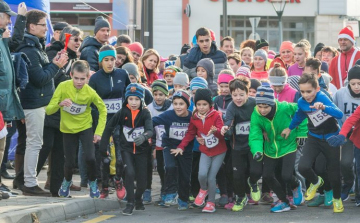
<point x="56" y="46"/>
<point x="31" y="40"/>
<point x="90" y="41"/>
<point x="209" y="66"/>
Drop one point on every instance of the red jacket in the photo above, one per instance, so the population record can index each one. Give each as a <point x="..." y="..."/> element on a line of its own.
<point x="353" y="120"/>
<point x="196" y="127"/>
<point x="150" y="78"/>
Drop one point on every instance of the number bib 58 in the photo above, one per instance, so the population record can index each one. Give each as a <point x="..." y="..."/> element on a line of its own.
<point x="318" y="117"/>
<point x="210" y="141"/>
<point x="113" y="105"/>
<point x="75" y="109"/>
<point x="137" y="132"/>
<point x="177" y="132"/>
<point x="242" y="128"/>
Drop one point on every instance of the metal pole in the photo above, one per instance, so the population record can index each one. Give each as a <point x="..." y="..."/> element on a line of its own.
<point x="225" y="20"/>
<point x="142" y="30"/>
<point x="280" y="31"/>
<point x="150" y="24"/>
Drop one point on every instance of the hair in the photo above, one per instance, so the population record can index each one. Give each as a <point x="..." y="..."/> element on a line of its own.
<point x="226" y="38"/>
<point x="246" y="48"/>
<point x="74" y="31"/>
<point x="33" y="17"/>
<point x="125" y="51"/>
<point x="202" y="32"/>
<point x="314" y="63"/>
<point x="235" y="56"/>
<point x="123" y="39"/>
<point x="227" y="71"/>
<point x="81" y="66"/>
<point x="240" y="82"/>
<point x="309" y="78"/>
<point x="305" y="47"/>
<point x="105" y="48"/>
<point x="278" y="70"/>
<point x="330" y="49"/>
<point x="148" y="53"/>
<point x="248" y="43"/>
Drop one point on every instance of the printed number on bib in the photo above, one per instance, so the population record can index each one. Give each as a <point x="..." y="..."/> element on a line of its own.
<point x="75" y="109"/>
<point x="210" y="141"/>
<point x="177" y="132"/>
<point x="160" y="130"/>
<point x="223" y="111"/>
<point x="137" y="132"/>
<point x="318" y="117"/>
<point x="242" y="128"/>
<point x="113" y="105"/>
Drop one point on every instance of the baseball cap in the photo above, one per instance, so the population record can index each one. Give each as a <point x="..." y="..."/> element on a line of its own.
<point x="4" y="7"/>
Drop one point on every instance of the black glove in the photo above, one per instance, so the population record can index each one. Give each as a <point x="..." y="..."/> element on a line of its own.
<point x="139" y="140"/>
<point x="258" y="156"/>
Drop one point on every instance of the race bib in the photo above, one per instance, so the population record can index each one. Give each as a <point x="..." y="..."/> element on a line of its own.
<point x="75" y="109"/>
<point x="242" y="128"/>
<point x="113" y="105"/>
<point x="137" y="132"/>
<point x="177" y="132"/>
<point x="210" y="141"/>
<point x="223" y="111"/>
<point x="160" y="130"/>
<point x="318" y="117"/>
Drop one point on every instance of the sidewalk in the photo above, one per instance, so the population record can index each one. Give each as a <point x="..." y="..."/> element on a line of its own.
<point x="29" y="209"/>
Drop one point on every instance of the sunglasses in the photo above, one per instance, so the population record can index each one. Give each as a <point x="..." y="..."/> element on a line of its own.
<point x="77" y="40"/>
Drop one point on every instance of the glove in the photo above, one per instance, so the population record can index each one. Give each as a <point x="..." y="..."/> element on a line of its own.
<point x="139" y="140"/>
<point x="258" y="156"/>
<point x="336" y="141"/>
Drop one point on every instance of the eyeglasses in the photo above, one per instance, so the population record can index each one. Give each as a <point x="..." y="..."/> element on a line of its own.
<point x="77" y="40"/>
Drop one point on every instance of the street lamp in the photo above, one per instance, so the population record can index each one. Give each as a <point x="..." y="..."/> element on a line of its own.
<point x="279" y="6"/>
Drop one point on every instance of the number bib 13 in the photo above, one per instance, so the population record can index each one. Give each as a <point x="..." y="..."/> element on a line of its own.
<point x="318" y="117"/>
<point x="137" y="132"/>
<point x="113" y="105"/>
<point x="75" y="109"/>
<point x="177" y="132"/>
<point x="160" y="130"/>
<point x="242" y="128"/>
<point x="210" y="141"/>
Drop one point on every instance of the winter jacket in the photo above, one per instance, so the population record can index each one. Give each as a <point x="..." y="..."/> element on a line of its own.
<point x="201" y="128"/>
<point x="150" y="76"/>
<point x="18" y="33"/>
<point x="221" y="103"/>
<point x="277" y="146"/>
<point x="345" y="102"/>
<point x="21" y="64"/>
<point x="155" y="110"/>
<point x="3" y="129"/>
<point x="259" y="75"/>
<point x="353" y="120"/>
<point x="287" y="94"/>
<point x="90" y="52"/>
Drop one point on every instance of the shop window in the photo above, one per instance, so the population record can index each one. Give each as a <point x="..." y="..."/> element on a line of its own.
<point x="86" y="21"/>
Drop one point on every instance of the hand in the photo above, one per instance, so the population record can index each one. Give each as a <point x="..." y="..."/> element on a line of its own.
<point x="67" y="103"/>
<point x="318" y="106"/>
<point x="336" y="141"/>
<point x="97" y="138"/>
<point x="213" y="129"/>
<point x="285" y="133"/>
<point x="22" y="121"/>
<point x="176" y="151"/>
<point x="61" y="61"/>
<point x="200" y="140"/>
<point x="224" y="129"/>
<point x="139" y="140"/>
<point x="258" y="156"/>
<point x="22" y="9"/>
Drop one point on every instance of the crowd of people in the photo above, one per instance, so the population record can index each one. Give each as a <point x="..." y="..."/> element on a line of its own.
<point x="214" y="118"/>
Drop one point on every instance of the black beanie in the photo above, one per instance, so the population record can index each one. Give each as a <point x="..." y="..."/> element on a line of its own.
<point x="354" y="73"/>
<point x="60" y="25"/>
<point x="101" y="22"/>
<point x="255" y="83"/>
<point x="203" y="94"/>
<point x="318" y="47"/>
<point x="261" y="43"/>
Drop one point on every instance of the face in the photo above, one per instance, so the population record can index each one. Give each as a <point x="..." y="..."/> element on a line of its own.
<point x="108" y="64"/>
<point x="247" y="56"/>
<point x="151" y="62"/>
<point x="345" y="44"/>
<point x="103" y="35"/>
<point x="234" y="66"/>
<point x="278" y="89"/>
<point x="179" y="87"/>
<point x="202" y="106"/>
<point x="224" y="89"/>
<point x="287" y="56"/>
<point x="79" y="79"/>
<point x="180" y="107"/>
<point x="39" y="30"/>
<point x="264" y="109"/>
<point x="266" y="48"/>
<point x="132" y="78"/>
<point x="136" y="56"/>
<point x="169" y="79"/>
<point x="204" y="43"/>
<point x="4" y="20"/>
<point x="308" y="92"/>
<point x="259" y="63"/>
<point x="74" y="43"/>
<point x="228" y="47"/>
<point x="299" y="56"/>
<point x="201" y="72"/>
<point x="355" y="85"/>
<point x="120" y="59"/>
<point x="327" y="57"/>
<point x="56" y="35"/>
<point x="239" y="97"/>
<point x="252" y="92"/>
<point x="159" y="97"/>
<point x="134" y="102"/>
<point x="318" y="55"/>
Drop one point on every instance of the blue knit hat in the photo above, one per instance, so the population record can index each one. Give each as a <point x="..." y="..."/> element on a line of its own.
<point x="265" y="95"/>
<point x="198" y="82"/>
<point x="134" y="89"/>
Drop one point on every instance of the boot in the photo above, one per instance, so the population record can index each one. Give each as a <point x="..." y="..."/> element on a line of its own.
<point x="19" y="163"/>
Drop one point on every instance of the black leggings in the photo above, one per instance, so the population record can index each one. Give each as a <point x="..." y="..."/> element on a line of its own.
<point x="149" y="172"/>
<point x="161" y="169"/>
<point x="224" y="177"/>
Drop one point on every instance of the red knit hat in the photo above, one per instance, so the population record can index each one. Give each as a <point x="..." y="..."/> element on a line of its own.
<point x="137" y="47"/>
<point x="347" y="34"/>
<point x="287" y="45"/>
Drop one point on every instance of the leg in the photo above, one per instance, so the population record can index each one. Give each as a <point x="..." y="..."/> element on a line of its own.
<point x="215" y="163"/>
<point x="140" y="172"/>
<point x="171" y="173"/>
<point x="82" y="166"/>
<point x="161" y="168"/>
<point x="310" y="152"/>
<point x="184" y="173"/>
<point x="287" y="173"/>
<point x="70" y="142"/>
<point x="129" y="162"/>
<point x="195" y="185"/>
<point x="19" y="156"/>
<point x="239" y="162"/>
<point x="86" y="138"/>
<point x="57" y="162"/>
<point x="49" y="136"/>
<point x="299" y="154"/>
<point x="11" y="131"/>
<point x="347" y="164"/>
<point x="357" y="161"/>
<point x="269" y="176"/>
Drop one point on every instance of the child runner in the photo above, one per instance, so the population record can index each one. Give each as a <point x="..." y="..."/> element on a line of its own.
<point x="74" y="98"/>
<point x="243" y="71"/>
<point x="206" y="123"/>
<point x="169" y="74"/>
<point x="254" y="84"/>
<point x="205" y="68"/>
<point x="181" y="81"/>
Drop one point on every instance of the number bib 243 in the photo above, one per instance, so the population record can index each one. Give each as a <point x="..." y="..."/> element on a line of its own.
<point x="113" y="105"/>
<point x="210" y="141"/>
<point x="177" y="132"/>
<point x="75" y="109"/>
<point x="242" y="128"/>
<point x="137" y="132"/>
<point x="318" y="117"/>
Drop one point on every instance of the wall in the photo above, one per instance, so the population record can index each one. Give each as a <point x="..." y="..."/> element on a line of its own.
<point x="327" y="28"/>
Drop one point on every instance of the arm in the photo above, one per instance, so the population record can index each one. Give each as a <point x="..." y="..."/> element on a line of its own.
<point x="297" y="119"/>
<point x="53" y="105"/>
<point x="218" y="124"/>
<point x="331" y="108"/>
<point x="256" y="139"/>
<point x="189" y="136"/>
<point x="350" y="122"/>
<point x="18" y="32"/>
<point x="99" y="103"/>
<point x="148" y="127"/>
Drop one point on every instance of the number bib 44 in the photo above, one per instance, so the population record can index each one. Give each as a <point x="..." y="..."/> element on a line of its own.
<point x="242" y="128"/>
<point x="177" y="132"/>
<point x="75" y="109"/>
<point x="318" y="117"/>
<point x="137" y="132"/>
<point x="160" y="130"/>
<point x="210" y="141"/>
<point x="113" y="105"/>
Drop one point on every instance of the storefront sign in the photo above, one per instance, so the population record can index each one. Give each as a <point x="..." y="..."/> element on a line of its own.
<point x="80" y="7"/>
<point x="287" y="1"/>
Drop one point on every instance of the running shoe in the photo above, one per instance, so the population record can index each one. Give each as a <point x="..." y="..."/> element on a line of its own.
<point x="266" y="198"/>
<point x="298" y="195"/>
<point x="200" y="198"/>
<point x="338" y="206"/>
<point x="94" y="190"/>
<point x="64" y="190"/>
<point x="120" y="189"/>
<point x="209" y="207"/>
<point x="240" y="204"/>
<point x="182" y="205"/>
<point x="170" y="200"/>
<point x="254" y="191"/>
<point x="147" y="196"/>
<point x="328" y="202"/>
<point x="104" y="193"/>
<point x="280" y="207"/>
<point x="311" y="191"/>
<point x="317" y="201"/>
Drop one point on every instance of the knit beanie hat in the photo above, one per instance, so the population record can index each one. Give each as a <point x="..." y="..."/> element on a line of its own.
<point x="293" y="81"/>
<point x="271" y="54"/>
<point x="132" y="69"/>
<point x="261" y="43"/>
<point x="181" y="78"/>
<point x="134" y="89"/>
<point x="160" y="85"/>
<point x="225" y="78"/>
<point x="183" y="95"/>
<point x="208" y="65"/>
<point x="347" y="34"/>
<point x="101" y="22"/>
<point x="318" y="48"/>
<point x="261" y="53"/>
<point x="60" y="25"/>
<point x="244" y="71"/>
<point x="324" y="67"/>
<point x="287" y="45"/>
<point x="255" y="83"/>
<point x="171" y="70"/>
<point x="265" y="95"/>
<point x="137" y="47"/>
<point x="203" y="94"/>
<point x="354" y="73"/>
<point x="198" y="83"/>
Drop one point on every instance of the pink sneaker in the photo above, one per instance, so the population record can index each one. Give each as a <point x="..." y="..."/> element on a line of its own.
<point x="120" y="189"/>
<point x="230" y="205"/>
<point x="200" y="198"/>
<point x="209" y="208"/>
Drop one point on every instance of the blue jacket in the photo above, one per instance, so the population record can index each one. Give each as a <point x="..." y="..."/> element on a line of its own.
<point x="90" y="52"/>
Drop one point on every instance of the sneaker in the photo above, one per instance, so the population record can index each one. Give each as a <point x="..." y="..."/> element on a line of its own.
<point x="129" y="209"/>
<point x="266" y="198"/>
<point x="5" y="188"/>
<point x="94" y="190"/>
<point x="4" y="195"/>
<point x="338" y="206"/>
<point x="170" y="200"/>
<point x="311" y="191"/>
<point x="35" y="191"/>
<point x="104" y="193"/>
<point x="64" y="190"/>
<point x="200" y="198"/>
<point x="298" y="195"/>
<point x="209" y="207"/>
<point x="251" y="201"/>
<point x="291" y="203"/>
<point x="147" y="196"/>
<point x="357" y="202"/>
<point x="120" y="189"/>
<point x="139" y="206"/>
<point x="230" y="205"/>
<point x="161" y="201"/>
<point x="319" y="200"/>
<point x="345" y="192"/>
<point x="224" y="199"/>
<point x="328" y="202"/>
<point x="275" y="203"/>
<point x="280" y="207"/>
<point x="254" y="191"/>
<point x="182" y="205"/>
<point x="240" y="204"/>
<point x="191" y="199"/>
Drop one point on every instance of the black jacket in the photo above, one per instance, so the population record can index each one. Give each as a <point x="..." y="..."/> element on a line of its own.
<point x="18" y="33"/>
<point x="90" y="52"/>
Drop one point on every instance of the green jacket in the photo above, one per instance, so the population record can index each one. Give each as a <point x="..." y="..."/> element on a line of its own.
<point x="277" y="146"/>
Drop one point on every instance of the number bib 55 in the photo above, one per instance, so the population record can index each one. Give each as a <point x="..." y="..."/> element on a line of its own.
<point x="113" y="105"/>
<point x="210" y="141"/>
<point x="177" y="132"/>
<point x="318" y="117"/>
<point x="137" y="132"/>
<point x="75" y="109"/>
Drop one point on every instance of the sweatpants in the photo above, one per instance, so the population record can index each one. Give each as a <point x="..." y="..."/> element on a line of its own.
<point x="161" y="169"/>
<point x="313" y="147"/>
<point x="208" y="168"/>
